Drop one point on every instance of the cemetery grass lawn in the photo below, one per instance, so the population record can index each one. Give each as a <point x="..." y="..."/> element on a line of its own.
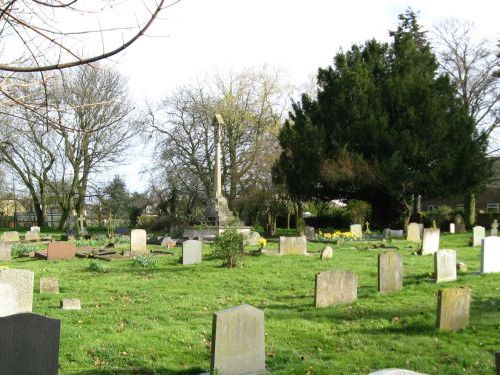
<point x="159" y="320"/>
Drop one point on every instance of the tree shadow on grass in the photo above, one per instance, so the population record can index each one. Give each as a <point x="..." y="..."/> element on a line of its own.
<point x="143" y="371"/>
<point x="423" y="278"/>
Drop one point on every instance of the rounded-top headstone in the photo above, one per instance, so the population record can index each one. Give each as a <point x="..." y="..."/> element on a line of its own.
<point x="327" y="253"/>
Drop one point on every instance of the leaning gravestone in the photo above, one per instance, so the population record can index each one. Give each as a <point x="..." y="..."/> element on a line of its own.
<point x="430" y="243"/>
<point x="356" y="230"/>
<point x="335" y="287"/>
<point x="390" y="272"/>
<point x="29" y="345"/>
<point x="413" y="232"/>
<point x="138" y="242"/>
<point x="494" y="228"/>
<point x="58" y="251"/>
<point x="459" y="223"/>
<point x="191" y="252"/>
<point x="71" y="304"/>
<point x="293" y="245"/>
<point x="309" y="232"/>
<point x="5" y="250"/>
<point x="32" y="236"/>
<point x="327" y="253"/>
<point x="22" y="281"/>
<point x="490" y="255"/>
<point x="453" y="309"/>
<point x="445" y="265"/>
<point x="452" y="228"/>
<point x="11" y="236"/>
<point x="238" y="341"/>
<point x="395" y="371"/>
<point x="8" y="300"/>
<point x="478" y="233"/>
<point x="49" y="285"/>
<point x="35" y="229"/>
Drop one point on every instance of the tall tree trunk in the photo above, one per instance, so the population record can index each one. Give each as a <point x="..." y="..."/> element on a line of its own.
<point x="300" y="224"/>
<point x="470" y="210"/>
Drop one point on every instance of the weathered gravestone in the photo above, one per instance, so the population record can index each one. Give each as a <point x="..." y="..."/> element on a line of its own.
<point x="8" y="300"/>
<point x="191" y="252"/>
<point x="334" y="287"/>
<point x="459" y="223"/>
<point x="478" y="233"/>
<point x="413" y="234"/>
<point x="11" y="236"/>
<point x="309" y="232"/>
<point x="397" y="233"/>
<point x="327" y="253"/>
<point x="395" y="371"/>
<point x="138" y="242"/>
<point x="390" y="272"/>
<point x="22" y="281"/>
<point x="494" y="228"/>
<point x="453" y="309"/>
<point x="430" y="243"/>
<point x="168" y="242"/>
<point x="29" y="345"/>
<point x="356" y="230"/>
<point x="5" y="250"/>
<point x="252" y="238"/>
<point x="452" y="228"/>
<point x="35" y="229"/>
<point x="445" y="265"/>
<point x="122" y="231"/>
<point x="32" y="236"/>
<point x="58" y="250"/>
<point x="238" y="341"/>
<point x="490" y="255"/>
<point x="293" y="245"/>
<point x="71" y="304"/>
<point x="49" y="285"/>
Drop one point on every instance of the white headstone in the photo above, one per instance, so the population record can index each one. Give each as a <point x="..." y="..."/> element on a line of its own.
<point x="430" y="243"/>
<point x="452" y="227"/>
<point x="23" y="282"/>
<point x="138" y="242"/>
<point x="191" y="252"/>
<point x="445" y="265"/>
<point x="35" y="229"/>
<point x="356" y="230"/>
<point x="8" y="300"/>
<point x="490" y="254"/>
<point x="478" y="233"/>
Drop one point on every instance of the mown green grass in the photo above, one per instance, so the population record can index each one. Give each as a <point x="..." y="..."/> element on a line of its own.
<point x="159" y="320"/>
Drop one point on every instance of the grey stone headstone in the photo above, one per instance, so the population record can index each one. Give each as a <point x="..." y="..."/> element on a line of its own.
<point x="238" y="341"/>
<point x="71" y="304"/>
<point x="32" y="236"/>
<point x="494" y="228"/>
<point x="309" y="232"/>
<point x="478" y="233"/>
<point x="191" y="252"/>
<point x="445" y="265"/>
<point x="413" y="232"/>
<point x="386" y="233"/>
<point x="22" y="281"/>
<point x="452" y="228"/>
<point x="29" y="345"/>
<point x="356" y="230"/>
<point x="430" y="243"/>
<point x="5" y="250"/>
<point x="35" y="229"/>
<point x="252" y="238"/>
<point x="397" y="233"/>
<point x="390" y="272"/>
<point x="11" y="236"/>
<point x="138" y="242"/>
<point x="395" y="371"/>
<point x="293" y="245"/>
<point x="8" y="300"/>
<point x="49" y="285"/>
<point x="335" y="287"/>
<point x="327" y="253"/>
<point x="490" y="255"/>
<point x="122" y="231"/>
<point x="459" y="223"/>
<point x="453" y="309"/>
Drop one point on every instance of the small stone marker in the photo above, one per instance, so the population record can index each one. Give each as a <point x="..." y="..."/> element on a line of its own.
<point x="32" y="236"/>
<point x="395" y="371"/>
<point x="35" y="229"/>
<point x="29" y="345"/>
<point x="327" y="253"/>
<point x="413" y="234"/>
<point x="461" y="266"/>
<point x="334" y="287"/>
<point x="490" y="255"/>
<point x="5" y="250"/>
<point x="191" y="252"/>
<point x="8" y="300"/>
<point x="453" y="309"/>
<point x="445" y="265"/>
<point x="138" y="242"/>
<point x="309" y="232"/>
<point x="478" y="233"/>
<point x="494" y="228"/>
<point x="356" y="230"/>
<point x="71" y="304"/>
<point x="293" y="245"/>
<point x="22" y="281"/>
<point x="430" y="243"/>
<point x="452" y="228"/>
<point x="238" y="341"/>
<point x="11" y="236"/>
<point x="49" y="285"/>
<point x="390" y="272"/>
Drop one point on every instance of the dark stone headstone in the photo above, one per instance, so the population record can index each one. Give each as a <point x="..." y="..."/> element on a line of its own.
<point x="459" y="223"/>
<point x="29" y="345"/>
<point x="122" y="230"/>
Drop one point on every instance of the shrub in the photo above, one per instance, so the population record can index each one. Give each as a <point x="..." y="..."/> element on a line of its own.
<point x="229" y="247"/>
<point x="21" y="248"/>
<point x="145" y="261"/>
<point x="96" y="266"/>
<point x="359" y="211"/>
